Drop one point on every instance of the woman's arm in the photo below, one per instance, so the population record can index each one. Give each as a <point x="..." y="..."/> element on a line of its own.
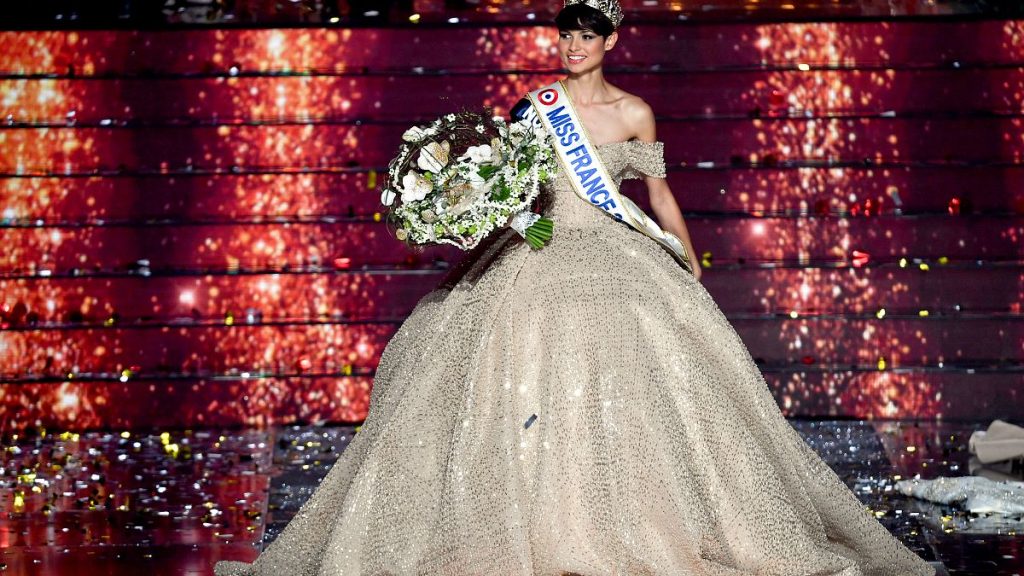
<point x="663" y="203"/>
<point x="671" y="218"/>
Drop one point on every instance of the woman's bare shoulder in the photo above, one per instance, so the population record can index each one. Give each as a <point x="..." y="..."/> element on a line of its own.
<point x="635" y="107"/>
<point x="638" y="114"/>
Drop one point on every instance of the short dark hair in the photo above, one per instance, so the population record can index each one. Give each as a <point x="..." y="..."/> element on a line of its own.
<point x="583" y="17"/>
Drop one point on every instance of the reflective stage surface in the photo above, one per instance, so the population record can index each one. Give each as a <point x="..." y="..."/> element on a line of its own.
<point x="175" y="502"/>
<point x="192" y="236"/>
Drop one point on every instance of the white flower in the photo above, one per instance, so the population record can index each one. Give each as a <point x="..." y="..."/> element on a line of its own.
<point x="469" y="193"/>
<point x="477" y="154"/>
<point x="480" y="128"/>
<point x="414" y="134"/>
<point x="414" y="187"/>
<point x="434" y="156"/>
<point x="517" y="133"/>
<point x="387" y="197"/>
<point x="496" y="156"/>
<point x="450" y="117"/>
<point x="475" y="180"/>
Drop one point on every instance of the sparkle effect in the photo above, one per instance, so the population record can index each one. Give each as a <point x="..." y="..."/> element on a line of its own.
<point x="193" y="235"/>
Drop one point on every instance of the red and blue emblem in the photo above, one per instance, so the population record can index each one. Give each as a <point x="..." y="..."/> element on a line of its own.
<point x="547" y="97"/>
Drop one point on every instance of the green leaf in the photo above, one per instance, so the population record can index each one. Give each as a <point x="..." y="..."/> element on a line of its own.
<point x="502" y="193"/>
<point x="487" y="170"/>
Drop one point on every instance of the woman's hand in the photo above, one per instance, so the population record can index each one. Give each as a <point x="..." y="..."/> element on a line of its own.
<point x="671" y="219"/>
<point x="695" y="268"/>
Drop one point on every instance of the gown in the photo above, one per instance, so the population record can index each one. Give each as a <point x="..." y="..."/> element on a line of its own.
<point x="583" y="409"/>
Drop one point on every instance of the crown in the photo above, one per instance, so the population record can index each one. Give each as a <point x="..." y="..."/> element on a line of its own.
<point x="609" y="8"/>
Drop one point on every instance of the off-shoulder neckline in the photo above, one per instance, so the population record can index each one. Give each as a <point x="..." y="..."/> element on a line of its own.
<point x="620" y="142"/>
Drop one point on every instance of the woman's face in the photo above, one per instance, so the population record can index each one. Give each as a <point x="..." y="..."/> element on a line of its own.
<point x="583" y="50"/>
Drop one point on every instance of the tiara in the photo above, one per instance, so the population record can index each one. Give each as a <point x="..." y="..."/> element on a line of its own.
<point x="609" y="8"/>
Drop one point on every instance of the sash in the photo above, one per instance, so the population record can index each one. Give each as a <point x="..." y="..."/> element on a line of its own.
<point x="552" y="109"/>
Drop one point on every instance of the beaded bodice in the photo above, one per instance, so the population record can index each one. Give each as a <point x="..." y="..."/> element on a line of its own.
<point x="628" y="159"/>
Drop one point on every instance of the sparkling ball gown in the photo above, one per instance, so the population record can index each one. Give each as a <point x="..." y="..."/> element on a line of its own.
<point x="581" y="409"/>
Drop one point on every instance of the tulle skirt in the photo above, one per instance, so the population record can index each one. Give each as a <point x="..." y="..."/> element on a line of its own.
<point x="582" y="409"/>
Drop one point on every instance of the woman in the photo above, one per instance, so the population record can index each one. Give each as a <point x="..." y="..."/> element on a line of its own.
<point x="580" y="409"/>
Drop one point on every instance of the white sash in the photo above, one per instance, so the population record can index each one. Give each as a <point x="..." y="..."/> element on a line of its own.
<point x="552" y="108"/>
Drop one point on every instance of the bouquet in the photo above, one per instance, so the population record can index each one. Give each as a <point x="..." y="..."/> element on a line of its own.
<point x="459" y="178"/>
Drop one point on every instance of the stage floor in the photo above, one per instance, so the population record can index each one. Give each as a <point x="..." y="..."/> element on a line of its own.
<point x="175" y="502"/>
